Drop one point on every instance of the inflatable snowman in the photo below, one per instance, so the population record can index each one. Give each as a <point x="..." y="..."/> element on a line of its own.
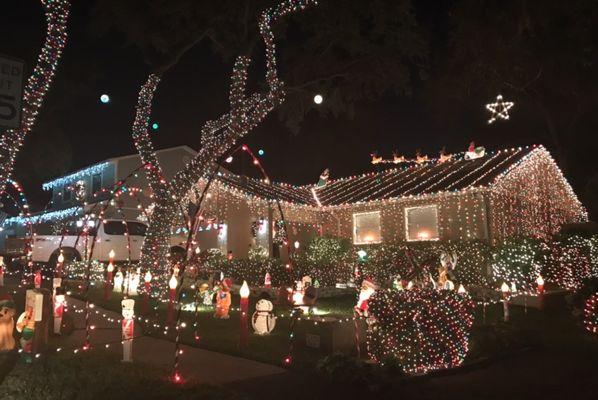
<point x="263" y="320"/>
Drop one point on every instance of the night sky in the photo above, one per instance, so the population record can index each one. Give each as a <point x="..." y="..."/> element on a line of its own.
<point x="196" y="89"/>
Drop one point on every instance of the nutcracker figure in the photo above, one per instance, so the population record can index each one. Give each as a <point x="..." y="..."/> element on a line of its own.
<point x="128" y="328"/>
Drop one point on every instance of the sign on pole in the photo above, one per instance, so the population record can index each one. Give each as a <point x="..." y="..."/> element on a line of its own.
<point x="11" y="91"/>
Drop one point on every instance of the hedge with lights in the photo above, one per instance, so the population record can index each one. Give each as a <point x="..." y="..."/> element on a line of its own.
<point x="571" y="260"/>
<point x="590" y="314"/>
<point x="327" y="259"/>
<point x="423" y="329"/>
<point x="519" y="261"/>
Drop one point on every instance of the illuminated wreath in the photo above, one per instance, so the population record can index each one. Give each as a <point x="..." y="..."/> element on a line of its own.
<point x="590" y="314"/>
<point x="424" y="330"/>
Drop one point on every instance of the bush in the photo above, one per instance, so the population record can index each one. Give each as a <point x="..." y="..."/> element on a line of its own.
<point x="326" y="259"/>
<point x="519" y="261"/>
<point x="570" y="261"/>
<point x="423" y="330"/>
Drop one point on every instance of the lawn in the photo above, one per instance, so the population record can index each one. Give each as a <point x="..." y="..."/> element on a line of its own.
<point x="98" y="375"/>
<point x="490" y="336"/>
<point x="223" y="335"/>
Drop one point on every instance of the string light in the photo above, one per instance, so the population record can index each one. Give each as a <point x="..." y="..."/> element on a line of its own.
<point x="499" y="109"/>
<point x="590" y="314"/>
<point x="56" y="12"/>
<point x="246" y="112"/>
<point x="425" y="329"/>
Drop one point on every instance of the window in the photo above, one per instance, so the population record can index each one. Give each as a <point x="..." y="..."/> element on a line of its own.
<point x="366" y="228"/>
<point x="421" y="223"/>
<point x="137" y="228"/>
<point x="67" y="194"/>
<point x="96" y="183"/>
<point x="115" y="228"/>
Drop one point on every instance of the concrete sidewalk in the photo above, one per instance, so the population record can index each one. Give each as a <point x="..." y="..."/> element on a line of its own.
<point x="195" y="364"/>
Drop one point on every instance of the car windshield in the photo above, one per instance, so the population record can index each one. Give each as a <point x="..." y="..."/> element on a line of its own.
<point x="119" y="228"/>
<point x="115" y="228"/>
<point x="137" y="228"/>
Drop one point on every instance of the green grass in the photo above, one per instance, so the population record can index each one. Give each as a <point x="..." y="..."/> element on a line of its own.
<point x="99" y="375"/>
<point x="555" y="329"/>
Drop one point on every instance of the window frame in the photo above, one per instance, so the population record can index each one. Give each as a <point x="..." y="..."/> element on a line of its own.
<point x="358" y="214"/>
<point x="406" y="220"/>
<point x="93" y="192"/>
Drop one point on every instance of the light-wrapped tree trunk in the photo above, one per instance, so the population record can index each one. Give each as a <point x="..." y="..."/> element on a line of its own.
<point x="246" y="113"/>
<point x="56" y="12"/>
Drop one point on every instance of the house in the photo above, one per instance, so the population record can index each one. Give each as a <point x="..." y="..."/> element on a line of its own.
<point x="488" y="196"/>
<point x="87" y="190"/>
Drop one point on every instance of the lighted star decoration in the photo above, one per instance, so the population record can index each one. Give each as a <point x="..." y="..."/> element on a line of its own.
<point x="499" y="109"/>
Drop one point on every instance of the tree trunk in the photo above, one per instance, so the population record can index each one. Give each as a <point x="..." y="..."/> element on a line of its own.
<point x="156" y="245"/>
<point x="56" y="12"/>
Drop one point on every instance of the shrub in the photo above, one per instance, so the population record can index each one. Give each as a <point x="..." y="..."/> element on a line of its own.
<point x="519" y="261"/>
<point x="570" y="261"/>
<point x="590" y="314"/>
<point x="424" y="330"/>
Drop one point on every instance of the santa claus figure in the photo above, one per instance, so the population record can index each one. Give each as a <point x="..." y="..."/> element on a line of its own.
<point x="263" y="320"/>
<point x="223" y="299"/>
<point x="474" y="152"/>
<point x="7" y="322"/>
<point x="368" y="288"/>
<point x="128" y="328"/>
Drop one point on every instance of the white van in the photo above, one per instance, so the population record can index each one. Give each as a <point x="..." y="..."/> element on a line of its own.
<point x="125" y="237"/>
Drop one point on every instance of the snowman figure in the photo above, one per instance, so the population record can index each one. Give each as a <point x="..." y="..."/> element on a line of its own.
<point x="263" y="320"/>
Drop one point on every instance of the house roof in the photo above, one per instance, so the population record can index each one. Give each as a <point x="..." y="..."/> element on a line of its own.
<point x="398" y="182"/>
<point x="101" y="165"/>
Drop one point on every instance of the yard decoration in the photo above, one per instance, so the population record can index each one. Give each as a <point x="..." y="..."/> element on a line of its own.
<point x="26" y="322"/>
<point x="118" y="281"/>
<point x="128" y="328"/>
<point x="173" y="283"/>
<point x="423" y="329"/>
<point x="368" y="288"/>
<point x="499" y="109"/>
<point x="474" y="152"/>
<point x="109" y="272"/>
<point x="1" y="271"/>
<point x="59" y="301"/>
<point x="505" y="290"/>
<point x="205" y="294"/>
<point x="7" y="322"/>
<point x="263" y="320"/>
<point x="37" y="279"/>
<point x="243" y="314"/>
<point x="223" y="299"/>
<point x="590" y="314"/>
<point x="147" y="280"/>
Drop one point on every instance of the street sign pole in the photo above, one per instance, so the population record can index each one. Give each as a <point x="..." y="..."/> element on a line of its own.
<point x="11" y="91"/>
